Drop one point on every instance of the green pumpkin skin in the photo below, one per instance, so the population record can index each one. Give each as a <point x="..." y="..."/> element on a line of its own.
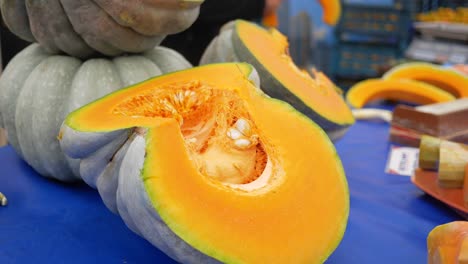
<point x="81" y="28"/>
<point x="37" y="91"/>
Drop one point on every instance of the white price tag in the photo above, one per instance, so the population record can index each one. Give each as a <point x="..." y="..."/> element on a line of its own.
<point x="402" y="160"/>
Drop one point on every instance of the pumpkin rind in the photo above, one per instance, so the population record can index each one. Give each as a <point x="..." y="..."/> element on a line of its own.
<point x="105" y="30"/>
<point x="16" y="18"/>
<point x="107" y="183"/>
<point x="43" y="27"/>
<point x="233" y="44"/>
<point x="46" y="90"/>
<point x="221" y="48"/>
<point x="141" y="177"/>
<point x="168" y="60"/>
<point x="78" y="144"/>
<point x="81" y="27"/>
<point x="447" y="79"/>
<point x="37" y="91"/>
<point x="94" y="165"/>
<point x="11" y="82"/>
<point x="405" y="90"/>
<point x="152" y="17"/>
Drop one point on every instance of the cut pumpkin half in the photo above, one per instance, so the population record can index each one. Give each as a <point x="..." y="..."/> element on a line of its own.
<point x="447" y="79"/>
<point x="409" y="91"/>
<point x="210" y="170"/>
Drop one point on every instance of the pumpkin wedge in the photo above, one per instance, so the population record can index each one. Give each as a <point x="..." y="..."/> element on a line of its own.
<point x="410" y="91"/>
<point x="448" y="243"/>
<point x="447" y="79"/>
<point x="208" y="173"/>
<point x="267" y="50"/>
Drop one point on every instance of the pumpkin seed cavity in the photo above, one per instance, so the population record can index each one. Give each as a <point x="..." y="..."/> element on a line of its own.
<point x="219" y="133"/>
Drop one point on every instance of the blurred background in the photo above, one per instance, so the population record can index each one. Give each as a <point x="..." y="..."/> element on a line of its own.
<point x="374" y="35"/>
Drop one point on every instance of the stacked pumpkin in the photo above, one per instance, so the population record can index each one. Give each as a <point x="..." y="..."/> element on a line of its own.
<point x="77" y="61"/>
<point x="200" y="162"/>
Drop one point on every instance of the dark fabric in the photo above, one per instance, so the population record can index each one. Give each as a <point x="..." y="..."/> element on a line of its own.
<point x="213" y="14"/>
<point x="10" y="44"/>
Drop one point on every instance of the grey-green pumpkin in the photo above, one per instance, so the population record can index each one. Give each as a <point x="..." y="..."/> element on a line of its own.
<point x="111" y="27"/>
<point x="37" y="91"/>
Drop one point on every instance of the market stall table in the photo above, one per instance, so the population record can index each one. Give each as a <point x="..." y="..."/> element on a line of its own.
<point x="50" y="222"/>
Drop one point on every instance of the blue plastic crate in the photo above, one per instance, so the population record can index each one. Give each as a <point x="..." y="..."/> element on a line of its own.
<point x="405" y="5"/>
<point x="362" y="60"/>
<point x="369" y="39"/>
<point x="454" y="3"/>
<point x="382" y="21"/>
<point x="412" y="6"/>
<point x="429" y="5"/>
<point x="370" y="3"/>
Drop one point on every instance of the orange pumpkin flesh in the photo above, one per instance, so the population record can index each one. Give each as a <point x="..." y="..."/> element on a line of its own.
<point x="246" y="226"/>
<point x="317" y="94"/>
<point x="447" y="243"/>
<point x="405" y="90"/>
<point x="292" y="205"/>
<point x="444" y="78"/>
<point x="88" y="120"/>
<point x="331" y="11"/>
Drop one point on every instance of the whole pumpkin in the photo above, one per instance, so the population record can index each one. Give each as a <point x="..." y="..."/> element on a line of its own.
<point x="37" y="91"/>
<point x="111" y="27"/>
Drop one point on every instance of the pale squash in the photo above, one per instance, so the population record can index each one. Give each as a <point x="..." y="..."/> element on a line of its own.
<point x="111" y="27"/>
<point x="315" y="96"/>
<point x="209" y="171"/>
<point x="37" y="90"/>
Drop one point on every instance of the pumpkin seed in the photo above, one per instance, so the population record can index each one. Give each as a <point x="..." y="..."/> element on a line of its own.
<point x="243" y="143"/>
<point x="3" y="200"/>
<point x="243" y="126"/>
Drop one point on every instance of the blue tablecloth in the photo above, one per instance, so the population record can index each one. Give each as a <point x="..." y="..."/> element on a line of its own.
<point x="51" y="222"/>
